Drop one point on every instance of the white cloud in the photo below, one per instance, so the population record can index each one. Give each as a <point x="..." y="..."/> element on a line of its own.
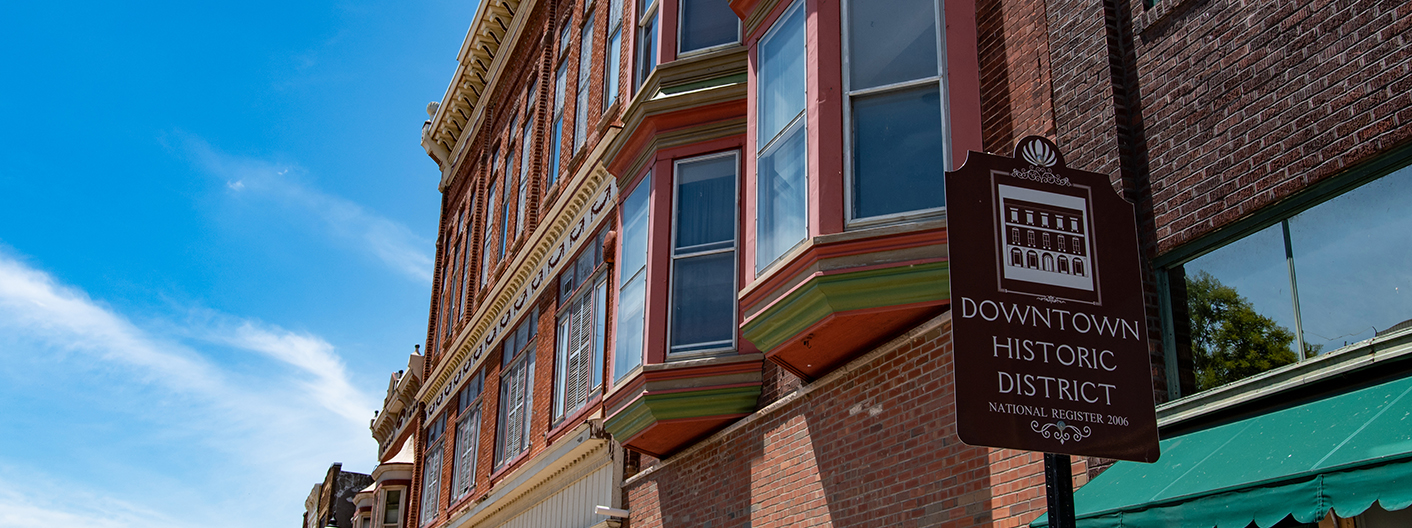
<point x="387" y="240"/>
<point x="266" y="408"/>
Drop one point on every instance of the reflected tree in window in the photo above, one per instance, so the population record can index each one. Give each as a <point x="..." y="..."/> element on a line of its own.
<point x="1229" y="339"/>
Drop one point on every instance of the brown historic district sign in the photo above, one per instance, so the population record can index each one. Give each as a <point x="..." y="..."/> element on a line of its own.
<point x="1047" y="309"/>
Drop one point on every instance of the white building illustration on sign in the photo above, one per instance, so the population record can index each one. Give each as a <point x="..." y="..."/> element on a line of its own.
<point x="1044" y="239"/>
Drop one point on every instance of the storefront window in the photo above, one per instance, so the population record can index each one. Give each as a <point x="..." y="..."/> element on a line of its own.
<point x="1318" y="280"/>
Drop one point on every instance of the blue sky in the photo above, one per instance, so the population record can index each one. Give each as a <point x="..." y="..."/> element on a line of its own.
<point x="216" y="234"/>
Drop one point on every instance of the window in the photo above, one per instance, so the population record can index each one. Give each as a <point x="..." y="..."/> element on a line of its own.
<point x="581" y="104"/>
<point x="782" y="176"/>
<point x="705" y="25"/>
<point x="464" y="297"/>
<point x="505" y="199"/>
<point x="578" y="367"/>
<point x="489" y="215"/>
<point x="632" y="281"/>
<point x="392" y="509"/>
<point x="1318" y="279"/>
<point x="431" y="471"/>
<point x="467" y="437"/>
<point x="703" y="255"/>
<point x="646" y="41"/>
<point x="556" y="141"/>
<point x="614" y="53"/>
<point x="894" y="113"/>
<point x="517" y="390"/>
<point x="526" y="148"/>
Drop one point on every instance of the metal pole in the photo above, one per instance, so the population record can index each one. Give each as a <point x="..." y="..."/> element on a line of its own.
<point x="1059" y="490"/>
<point x="1294" y="292"/>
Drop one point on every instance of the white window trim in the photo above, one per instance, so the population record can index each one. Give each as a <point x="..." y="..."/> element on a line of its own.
<point x="586" y="289"/>
<point x="735" y="269"/>
<point x="941" y="79"/>
<point x="683" y="54"/>
<point x="647" y="16"/>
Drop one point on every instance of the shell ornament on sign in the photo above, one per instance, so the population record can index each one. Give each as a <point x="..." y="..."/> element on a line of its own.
<point x="1039" y="154"/>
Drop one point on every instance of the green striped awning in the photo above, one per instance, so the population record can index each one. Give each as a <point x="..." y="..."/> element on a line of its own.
<point x="1342" y="452"/>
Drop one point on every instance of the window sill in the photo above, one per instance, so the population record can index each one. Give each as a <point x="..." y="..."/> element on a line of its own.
<point x="591" y="409"/>
<point x="1380" y="356"/>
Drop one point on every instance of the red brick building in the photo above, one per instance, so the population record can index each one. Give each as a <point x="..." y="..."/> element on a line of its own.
<point x="693" y="253"/>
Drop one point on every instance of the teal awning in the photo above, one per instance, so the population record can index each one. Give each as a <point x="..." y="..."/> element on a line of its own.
<point x="1342" y="452"/>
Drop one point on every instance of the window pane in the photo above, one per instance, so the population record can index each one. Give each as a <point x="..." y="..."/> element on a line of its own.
<point x="891" y="41"/>
<point x="782" y="83"/>
<point x="581" y="110"/>
<point x="782" y="184"/>
<point x="635" y="231"/>
<point x="897" y="152"/>
<point x="647" y="50"/>
<point x="705" y="205"/>
<point x="1240" y="311"/>
<point x="707" y="23"/>
<point x="600" y="311"/>
<point x="628" y="354"/>
<point x="703" y="302"/>
<point x="612" y="68"/>
<point x="391" y="510"/>
<point x="1353" y="261"/>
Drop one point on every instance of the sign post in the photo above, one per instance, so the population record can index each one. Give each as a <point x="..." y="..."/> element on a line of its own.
<point x="1048" y="314"/>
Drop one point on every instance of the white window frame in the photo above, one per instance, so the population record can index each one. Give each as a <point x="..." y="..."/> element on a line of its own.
<point x="521" y="366"/>
<point x="647" y="16"/>
<point x="941" y="80"/>
<point x="682" y="54"/>
<point x="432" y="462"/>
<point x="594" y="292"/>
<point x="468" y="421"/>
<point x="735" y="268"/>
<point x="381" y="513"/>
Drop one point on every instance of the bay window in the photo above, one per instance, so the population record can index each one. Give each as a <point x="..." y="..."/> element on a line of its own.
<point x="782" y="178"/>
<point x="517" y="390"/>
<point x="392" y="509"/>
<point x="632" y="281"/>
<point x="705" y="25"/>
<point x="431" y="470"/>
<point x="578" y="363"/>
<point x="895" y="116"/>
<point x="467" y="437"/>
<point x="703" y="282"/>
<point x="581" y="93"/>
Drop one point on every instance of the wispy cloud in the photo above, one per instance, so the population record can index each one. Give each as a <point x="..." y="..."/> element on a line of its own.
<point x="277" y="428"/>
<point x="385" y="239"/>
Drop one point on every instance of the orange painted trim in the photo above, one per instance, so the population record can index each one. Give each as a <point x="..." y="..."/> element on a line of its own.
<point x="656" y="124"/>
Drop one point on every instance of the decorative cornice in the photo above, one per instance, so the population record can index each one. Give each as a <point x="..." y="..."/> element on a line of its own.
<point x="480" y="62"/>
<point x="559" y="237"/>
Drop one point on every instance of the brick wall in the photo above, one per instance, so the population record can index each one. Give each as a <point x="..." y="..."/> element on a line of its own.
<point x="1248" y="103"/>
<point x="872" y="444"/>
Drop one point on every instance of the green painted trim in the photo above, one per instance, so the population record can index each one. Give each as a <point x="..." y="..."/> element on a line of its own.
<point x="630" y="421"/>
<point x="738" y="78"/>
<point x="845" y="292"/>
<point x="706" y="403"/>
